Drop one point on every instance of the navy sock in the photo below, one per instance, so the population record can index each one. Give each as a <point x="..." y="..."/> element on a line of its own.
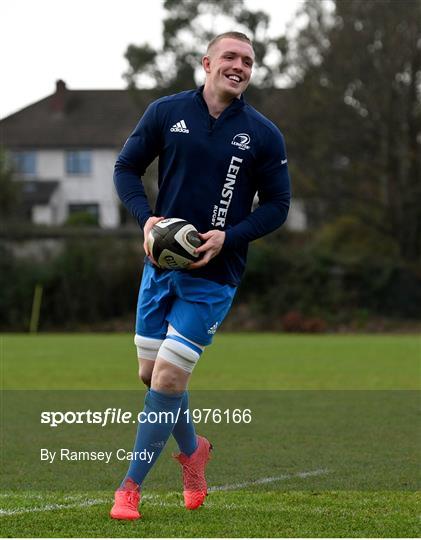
<point x="153" y="434"/>
<point x="184" y="432"/>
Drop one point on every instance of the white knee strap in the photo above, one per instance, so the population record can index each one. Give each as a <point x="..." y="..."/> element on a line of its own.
<point x="180" y="351"/>
<point x="147" y="348"/>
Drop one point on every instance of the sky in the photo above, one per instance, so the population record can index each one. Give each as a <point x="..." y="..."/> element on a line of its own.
<point x="83" y="42"/>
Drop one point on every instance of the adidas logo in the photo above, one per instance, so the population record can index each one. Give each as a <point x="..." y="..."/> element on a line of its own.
<point x="158" y="444"/>
<point x="212" y="330"/>
<point x="180" y="127"/>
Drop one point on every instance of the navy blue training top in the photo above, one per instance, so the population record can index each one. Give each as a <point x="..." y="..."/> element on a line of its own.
<point x="209" y="173"/>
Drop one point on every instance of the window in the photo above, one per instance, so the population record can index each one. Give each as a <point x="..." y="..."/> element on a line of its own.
<point x="25" y="162"/>
<point x="78" y="162"/>
<point x="83" y="214"/>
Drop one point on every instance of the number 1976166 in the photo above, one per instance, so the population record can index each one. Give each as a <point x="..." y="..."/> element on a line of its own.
<point x="216" y="416"/>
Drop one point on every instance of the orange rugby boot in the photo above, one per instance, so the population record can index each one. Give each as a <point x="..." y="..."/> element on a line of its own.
<point x="194" y="481"/>
<point x="126" y="501"/>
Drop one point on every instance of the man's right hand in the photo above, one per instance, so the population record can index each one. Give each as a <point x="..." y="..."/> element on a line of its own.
<point x="146" y="230"/>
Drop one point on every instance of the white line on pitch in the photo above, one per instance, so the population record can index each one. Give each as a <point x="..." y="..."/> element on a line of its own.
<point x="269" y="480"/>
<point x="49" y="507"/>
<point x="156" y="497"/>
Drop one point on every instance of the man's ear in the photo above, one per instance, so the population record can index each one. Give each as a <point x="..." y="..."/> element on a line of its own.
<point x="206" y="64"/>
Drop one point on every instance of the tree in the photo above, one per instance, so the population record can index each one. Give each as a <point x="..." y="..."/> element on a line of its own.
<point x="352" y="116"/>
<point x="356" y="115"/>
<point x="10" y="192"/>
<point x="188" y="27"/>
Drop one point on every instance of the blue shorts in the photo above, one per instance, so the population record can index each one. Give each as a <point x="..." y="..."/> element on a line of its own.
<point x="195" y="307"/>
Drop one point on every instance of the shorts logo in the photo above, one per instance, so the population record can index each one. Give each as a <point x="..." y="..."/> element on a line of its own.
<point x="212" y="330"/>
<point x="241" y="140"/>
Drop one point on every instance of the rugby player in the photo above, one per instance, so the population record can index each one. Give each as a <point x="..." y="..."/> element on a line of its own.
<point x="215" y="153"/>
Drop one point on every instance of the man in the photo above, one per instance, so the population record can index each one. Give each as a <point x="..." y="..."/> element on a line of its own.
<point x="215" y="152"/>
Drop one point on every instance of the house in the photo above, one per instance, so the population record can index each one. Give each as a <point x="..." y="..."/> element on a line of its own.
<point x="64" y="148"/>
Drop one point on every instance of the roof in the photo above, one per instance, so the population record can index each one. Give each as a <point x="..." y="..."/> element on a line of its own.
<point x="98" y="118"/>
<point x="75" y="119"/>
<point x="37" y="191"/>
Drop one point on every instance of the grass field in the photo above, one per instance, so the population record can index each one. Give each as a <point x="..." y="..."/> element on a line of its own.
<point x="333" y="449"/>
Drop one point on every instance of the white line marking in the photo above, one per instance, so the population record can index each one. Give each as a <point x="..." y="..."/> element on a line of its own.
<point x="18" y="494"/>
<point x="269" y="480"/>
<point x="49" y="507"/>
<point x="156" y="499"/>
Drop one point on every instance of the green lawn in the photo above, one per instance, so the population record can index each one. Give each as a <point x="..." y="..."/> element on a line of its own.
<point x="234" y="361"/>
<point x="332" y="449"/>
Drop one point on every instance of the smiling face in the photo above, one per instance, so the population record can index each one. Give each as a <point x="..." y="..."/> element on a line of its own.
<point x="228" y="67"/>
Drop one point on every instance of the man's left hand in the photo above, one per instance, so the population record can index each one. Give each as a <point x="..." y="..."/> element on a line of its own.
<point x="213" y="242"/>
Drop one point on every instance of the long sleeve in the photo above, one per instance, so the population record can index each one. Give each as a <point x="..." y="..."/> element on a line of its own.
<point x="274" y="194"/>
<point x="140" y="149"/>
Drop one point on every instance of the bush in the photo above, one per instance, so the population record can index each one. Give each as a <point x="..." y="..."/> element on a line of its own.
<point x="81" y="219"/>
<point x="92" y="281"/>
<point x="17" y="283"/>
<point x="328" y="280"/>
<point x="293" y="282"/>
<point x="294" y="321"/>
<point x="87" y="282"/>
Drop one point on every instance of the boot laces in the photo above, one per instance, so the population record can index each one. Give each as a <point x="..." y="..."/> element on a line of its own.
<point x="132" y="498"/>
<point x="193" y="479"/>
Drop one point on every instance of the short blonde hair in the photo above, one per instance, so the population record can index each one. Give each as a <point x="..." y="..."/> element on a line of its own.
<point x="234" y="35"/>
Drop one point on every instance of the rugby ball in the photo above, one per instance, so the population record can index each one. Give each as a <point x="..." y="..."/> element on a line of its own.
<point x="172" y="243"/>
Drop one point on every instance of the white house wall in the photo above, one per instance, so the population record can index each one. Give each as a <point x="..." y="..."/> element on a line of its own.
<point x="297" y="218"/>
<point x="42" y="214"/>
<point x="98" y="187"/>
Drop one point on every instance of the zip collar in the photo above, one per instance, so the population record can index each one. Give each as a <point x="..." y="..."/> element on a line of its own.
<point x="236" y="105"/>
